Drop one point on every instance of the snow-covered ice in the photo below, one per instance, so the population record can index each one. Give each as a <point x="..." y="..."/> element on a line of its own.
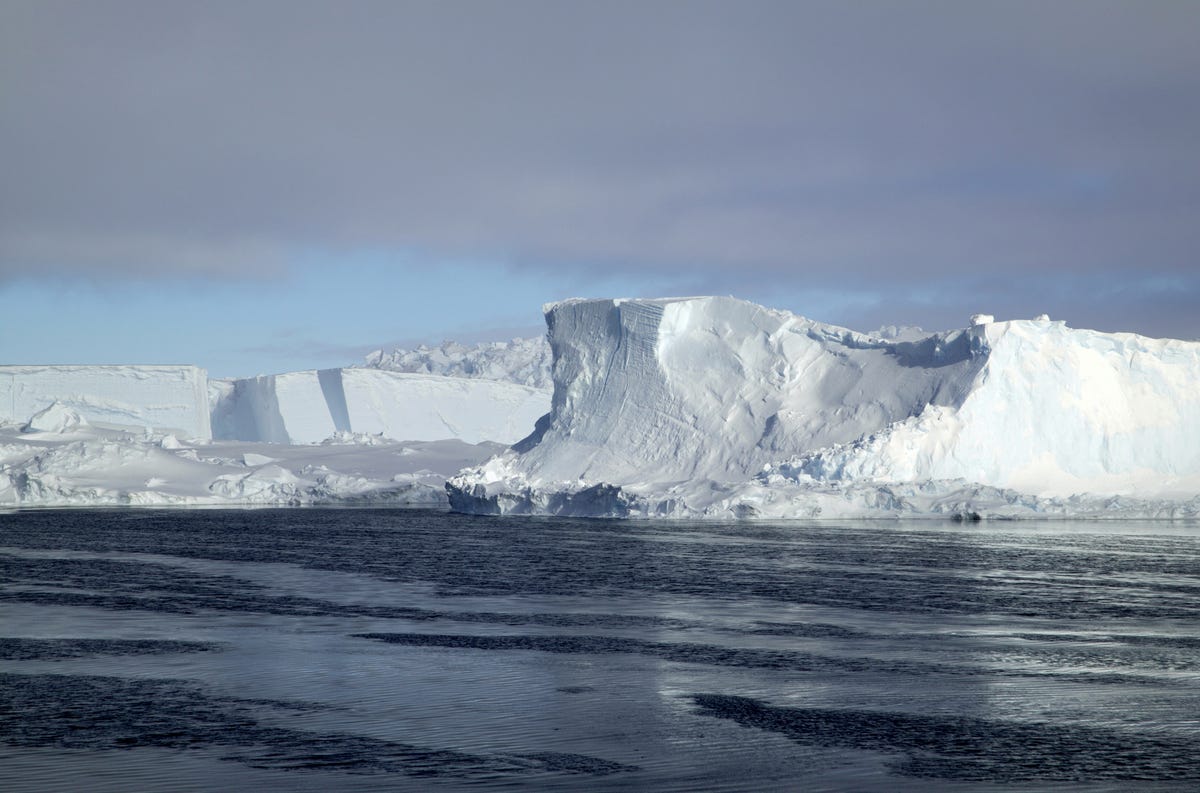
<point x="80" y="435"/>
<point x="91" y="466"/>
<point x="523" y="361"/>
<point x="56" y="418"/>
<point x="686" y="407"/>
<point x="311" y="406"/>
<point x="715" y="406"/>
<point x="162" y="398"/>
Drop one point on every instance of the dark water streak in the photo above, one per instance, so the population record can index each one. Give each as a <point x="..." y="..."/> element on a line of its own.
<point x="568" y="654"/>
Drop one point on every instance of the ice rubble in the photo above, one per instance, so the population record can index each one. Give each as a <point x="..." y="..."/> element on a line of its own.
<point x="718" y="407"/>
<point x="76" y="435"/>
<point x="522" y="361"/>
<point x="311" y="406"/>
<point x="90" y="466"/>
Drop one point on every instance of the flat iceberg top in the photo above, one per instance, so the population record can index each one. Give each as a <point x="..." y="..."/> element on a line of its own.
<point x="689" y="405"/>
<point x="616" y="301"/>
<point x="101" y="367"/>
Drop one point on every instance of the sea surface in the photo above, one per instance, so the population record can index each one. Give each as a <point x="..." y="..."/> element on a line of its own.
<point x="350" y="649"/>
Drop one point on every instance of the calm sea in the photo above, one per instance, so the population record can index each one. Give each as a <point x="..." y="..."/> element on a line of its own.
<point x="418" y="650"/>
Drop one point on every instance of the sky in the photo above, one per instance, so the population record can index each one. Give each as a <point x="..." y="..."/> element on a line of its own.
<point x="269" y="185"/>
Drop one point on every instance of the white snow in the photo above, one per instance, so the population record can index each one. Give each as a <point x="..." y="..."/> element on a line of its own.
<point x="312" y="406"/>
<point x="280" y="408"/>
<point x="91" y="466"/>
<point x="522" y="361"/>
<point x="715" y="406"/>
<point x="685" y="407"/>
<point x="56" y="418"/>
<point x="112" y="435"/>
<point x="163" y="398"/>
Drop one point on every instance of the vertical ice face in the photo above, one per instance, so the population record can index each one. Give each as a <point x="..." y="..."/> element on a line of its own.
<point x="716" y="387"/>
<point x="310" y="406"/>
<point x="672" y="401"/>
<point x="163" y="398"/>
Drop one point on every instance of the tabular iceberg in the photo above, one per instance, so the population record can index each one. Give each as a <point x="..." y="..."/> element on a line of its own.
<point x="310" y="406"/>
<point x="161" y="398"/>
<point x="716" y="407"/>
<point x="89" y="435"/>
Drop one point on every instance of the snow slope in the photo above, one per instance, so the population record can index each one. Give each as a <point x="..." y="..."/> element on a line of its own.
<point x="522" y="361"/>
<point x="310" y="406"/>
<point x="715" y="406"/>
<point x="163" y="398"/>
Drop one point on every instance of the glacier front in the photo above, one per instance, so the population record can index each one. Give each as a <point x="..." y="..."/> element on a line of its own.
<point x="310" y="406"/>
<point x="160" y="398"/>
<point x="713" y="406"/>
<point x="140" y="435"/>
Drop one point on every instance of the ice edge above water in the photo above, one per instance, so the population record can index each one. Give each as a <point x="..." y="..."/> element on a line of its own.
<point x="715" y="407"/>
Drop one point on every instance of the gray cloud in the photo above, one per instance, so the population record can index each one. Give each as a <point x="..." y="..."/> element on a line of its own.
<point x="836" y="145"/>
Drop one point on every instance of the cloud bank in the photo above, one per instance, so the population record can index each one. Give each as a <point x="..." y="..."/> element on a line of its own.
<point x="907" y="151"/>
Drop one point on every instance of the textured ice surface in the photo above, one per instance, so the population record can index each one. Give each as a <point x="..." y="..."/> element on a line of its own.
<point x="311" y="406"/>
<point x="90" y="466"/>
<point x="715" y="406"/>
<point x="56" y="418"/>
<point x="315" y="437"/>
<point x="163" y="398"/>
<point x="523" y="361"/>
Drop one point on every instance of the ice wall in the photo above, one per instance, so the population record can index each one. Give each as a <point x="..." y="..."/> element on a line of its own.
<point x="278" y="408"/>
<point x="164" y="398"/>
<point x="686" y="406"/>
<point x="310" y="406"/>
<point x="717" y="387"/>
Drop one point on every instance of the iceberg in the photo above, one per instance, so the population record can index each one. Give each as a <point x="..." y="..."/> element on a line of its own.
<point x="144" y="435"/>
<point x="289" y="408"/>
<point x="161" y="398"/>
<point x="68" y="464"/>
<point x="312" y="406"/>
<point x="716" y="407"/>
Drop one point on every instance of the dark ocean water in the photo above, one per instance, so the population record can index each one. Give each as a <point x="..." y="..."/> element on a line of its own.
<point x="418" y="650"/>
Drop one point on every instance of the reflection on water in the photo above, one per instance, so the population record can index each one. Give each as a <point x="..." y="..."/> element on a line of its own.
<point x="377" y="649"/>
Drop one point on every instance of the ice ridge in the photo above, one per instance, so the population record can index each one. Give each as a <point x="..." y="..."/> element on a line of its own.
<point x="522" y="361"/>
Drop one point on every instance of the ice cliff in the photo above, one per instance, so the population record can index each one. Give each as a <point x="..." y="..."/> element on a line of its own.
<point x="715" y="406"/>
<point x="310" y="406"/>
<point x="161" y="398"/>
<point x="89" y="435"/>
<point x="294" y="407"/>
